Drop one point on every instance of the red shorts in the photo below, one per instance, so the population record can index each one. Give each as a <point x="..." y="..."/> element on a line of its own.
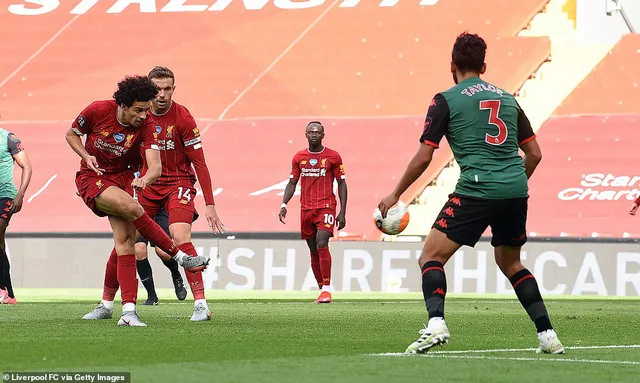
<point x="317" y="219"/>
<point x="90" y="185"/>
<point x="178" y="200"/>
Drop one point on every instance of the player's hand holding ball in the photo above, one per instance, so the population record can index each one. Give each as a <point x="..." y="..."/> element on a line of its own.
<point x="389" y="219"/>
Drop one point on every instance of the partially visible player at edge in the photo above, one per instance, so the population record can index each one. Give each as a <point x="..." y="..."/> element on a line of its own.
<point x="634" y="206"/>
<point x="106" y="185"/>
<point x="180" y="146"/>
<point x="485" y="127"/>
<point x="317" y="166"/>
<point x="11" y="151"/>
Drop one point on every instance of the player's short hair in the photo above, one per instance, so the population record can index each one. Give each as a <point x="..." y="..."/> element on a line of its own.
<point x="469" y="52"/>
<point x="162" y="72"/>
<point x="313" y="123"/>
<point x="135" y="88"/>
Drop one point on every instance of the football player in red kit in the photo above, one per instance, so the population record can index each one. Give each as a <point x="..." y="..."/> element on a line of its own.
<point x="317" y="167"/>
<point x="181" y="151"/>
<point x="106" y="184"/>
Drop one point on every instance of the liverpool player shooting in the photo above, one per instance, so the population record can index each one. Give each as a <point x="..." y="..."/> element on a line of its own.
<point x="317" y="167"/>
<point x="106" y="185"/>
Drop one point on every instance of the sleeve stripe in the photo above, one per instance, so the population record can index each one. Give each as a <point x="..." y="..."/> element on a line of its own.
<point x="431" y="144"/>
<point x="154" y="147"/>
<point x="527" y="140"/>
<point x="78" y="132"/>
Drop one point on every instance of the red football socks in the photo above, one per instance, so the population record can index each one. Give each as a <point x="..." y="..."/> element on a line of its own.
<point x="154" y="233"/>
<point x="315" y="267"/>
<point x="195" y="279"/>
<point x="325" y="265"/>
<point x="111" y="277"/>
<point x="127" y="278"/>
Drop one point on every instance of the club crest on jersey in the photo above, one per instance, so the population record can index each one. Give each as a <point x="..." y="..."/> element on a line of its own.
<point x="119" y="137"/>
<point x="313" y="162"/>
<point x="128" y="143"/>
<point x="170" y="131"/>
<point x="323" y="162"/>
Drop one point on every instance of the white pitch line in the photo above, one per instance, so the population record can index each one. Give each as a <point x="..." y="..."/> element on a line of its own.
<point x="53" y="177"/>
<point x="277" y="59"/>
<point x="36" y="53"/>
<point x="453" y="352"/>
<point x="533" y="349"/>
<point x="552" y="360"/>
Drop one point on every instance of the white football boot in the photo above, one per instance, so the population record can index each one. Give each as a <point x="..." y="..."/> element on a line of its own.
<point x="549" y="343"/>
<point x="100" y="312"/>
<point x="436" y="333"/>
<point x="130" y="318"/>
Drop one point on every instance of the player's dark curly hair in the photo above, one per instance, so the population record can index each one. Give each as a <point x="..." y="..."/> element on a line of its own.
<point x="468" y="53"/>
<point x="135" y="88"/>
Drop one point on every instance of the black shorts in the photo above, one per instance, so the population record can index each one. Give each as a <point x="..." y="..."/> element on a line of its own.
<point x="464" y="219"/>
<point x="162" y="219"/>
<point x="5" y="205"/>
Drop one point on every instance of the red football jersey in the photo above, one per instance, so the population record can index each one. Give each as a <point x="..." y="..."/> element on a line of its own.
<point x="108" y="140"/>
<point x="316" y="172"/>
<point x="177" y="134"/>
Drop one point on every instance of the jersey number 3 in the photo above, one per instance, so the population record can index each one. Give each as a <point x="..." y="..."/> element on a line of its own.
<point x="494" y="109"/>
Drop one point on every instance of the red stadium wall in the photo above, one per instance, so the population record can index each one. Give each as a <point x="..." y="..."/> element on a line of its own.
<point x="252" y="78"/>
<point x="588" y="178"/>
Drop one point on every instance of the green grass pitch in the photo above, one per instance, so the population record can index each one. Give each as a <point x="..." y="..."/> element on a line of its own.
<point x="282" y="337"/>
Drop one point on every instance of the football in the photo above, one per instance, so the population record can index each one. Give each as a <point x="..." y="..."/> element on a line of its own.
<point x="396" y="221"/>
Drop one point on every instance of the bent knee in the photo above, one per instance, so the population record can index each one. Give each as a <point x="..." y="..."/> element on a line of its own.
<point x="141" y="251"/>
<point x="322" y="243"/>
<point x="132" y="210"/>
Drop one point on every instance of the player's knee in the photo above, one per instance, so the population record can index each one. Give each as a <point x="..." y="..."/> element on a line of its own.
<point x="321" y="243"/>
<point x="132" y="210"/>
<point x="141" y="251"/>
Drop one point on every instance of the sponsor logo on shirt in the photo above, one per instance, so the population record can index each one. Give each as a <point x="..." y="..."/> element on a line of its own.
<point x="313" y="162"/>
<point x="119" y="137"/>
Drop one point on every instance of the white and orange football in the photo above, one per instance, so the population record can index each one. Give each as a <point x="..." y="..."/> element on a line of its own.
<point x="396" y="221"/>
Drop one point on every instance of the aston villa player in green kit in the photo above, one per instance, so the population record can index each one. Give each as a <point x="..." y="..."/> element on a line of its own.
<point x="485" y="127"/>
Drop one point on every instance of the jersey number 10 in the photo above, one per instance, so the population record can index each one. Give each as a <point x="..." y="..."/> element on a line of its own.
<point x="494" y="108"/>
